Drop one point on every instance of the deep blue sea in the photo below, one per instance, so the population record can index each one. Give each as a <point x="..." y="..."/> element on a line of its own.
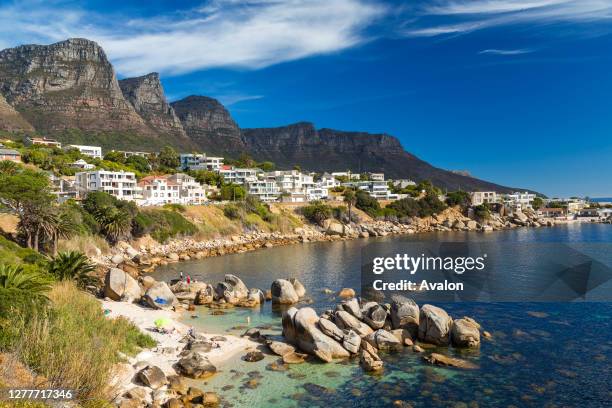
<point x="542" y="354"/>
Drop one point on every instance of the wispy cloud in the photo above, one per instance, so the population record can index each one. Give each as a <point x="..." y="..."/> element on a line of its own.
<point x="233" y="99"/>
<point x="465" y="16"/>
<point x="495" y="51"/>
<point x="220" y="33"/>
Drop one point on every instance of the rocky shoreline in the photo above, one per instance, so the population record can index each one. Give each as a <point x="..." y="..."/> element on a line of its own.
<point x="145" y="257"/>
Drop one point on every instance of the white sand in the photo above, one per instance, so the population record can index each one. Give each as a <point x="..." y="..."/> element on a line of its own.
<point x="165" y="354"/>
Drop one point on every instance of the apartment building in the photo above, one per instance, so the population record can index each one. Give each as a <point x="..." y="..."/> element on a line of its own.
<point x="519" y="200"/>
<point x="265" y="190"/>
<point x="238" y="175"/>
<point x="291" y="181"/>
<point x="91" y="151"/>
<point x="158" y="190"/>
<point x="377" y="189"/>
<point x="199" y="161"/>
<point x="190" y="191"/>
<point x="120" y="184"/>
<point x="10" y="155"/>
<point x="328" y="181"/>
<point x="42" y="141"/>
<point x="483" y="197"/>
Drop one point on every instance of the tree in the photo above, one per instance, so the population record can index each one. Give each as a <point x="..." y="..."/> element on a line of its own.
<point x="34" y="282"/>
<point x="365" y="202"/>
<point x="73" y="266"/>
<point x="266" y="166"/>
<point x="8" y="167"/>
<point x="317" y="212"/>
<point x="115" y="224"/>
<point x="460" y="198"/>
<point x="114" y="156"/>
<point x="350" y="199"/>
<point x="169" y="158"/>
<point x="537" y="203"/>
<point x="139" y="163"/>
<point x="232" y="192"/>
<point x="212" y="178"/>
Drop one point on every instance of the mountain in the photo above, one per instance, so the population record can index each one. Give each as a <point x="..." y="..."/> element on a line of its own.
<point x="335" y="150"/>
<point x="69" y="90"/>
<point x="67" y="85"/>
<point x="11" y="120"/>
<point x="209" y="125"/>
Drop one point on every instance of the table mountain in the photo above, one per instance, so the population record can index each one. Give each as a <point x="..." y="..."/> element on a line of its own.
<point x="209" y="125"/>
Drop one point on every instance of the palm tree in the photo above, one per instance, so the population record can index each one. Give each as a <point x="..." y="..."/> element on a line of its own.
<point x="350" y="198"/>
<point x="114" y="223"/>
<point x="35" y="283"/>
<point x="73" y="266"/>
<point x="8" y="167"/>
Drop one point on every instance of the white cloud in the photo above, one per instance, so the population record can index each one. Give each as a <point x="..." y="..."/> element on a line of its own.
<point x="495" y="51"/>
<point x="464" y="16"/>
<point x="220" y="33"/>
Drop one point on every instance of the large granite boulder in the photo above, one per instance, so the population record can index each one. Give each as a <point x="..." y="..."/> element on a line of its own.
<point x="240" y="289"/>
<point x="405" y="314"/>
<point x="434" y="325"/>
<point x="194" y="365"/>
<point x="347" y="321"/>
<point x="300" y="290"/>
<point x="152" y="376"/>
<point x="351" y="341"/>
<point x="374" y="315"/>
<point x="383" y="340"/>
<point x="205" y="295"/>
<point x="329" y="328"/>
<point x="159" y="296"/>
<point x="465" y="333"/>
<point x="119" y="285"/>
<point x="283" y="292"/>
<point x="352" y="306"/>
<point x="308" y="337"/>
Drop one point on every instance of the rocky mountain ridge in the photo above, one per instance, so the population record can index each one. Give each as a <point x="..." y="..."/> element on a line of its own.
<point x="69" y="90"/>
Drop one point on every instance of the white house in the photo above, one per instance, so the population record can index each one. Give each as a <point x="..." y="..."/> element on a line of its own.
<point x="265" y="190"/>
<point x="158" y="190"/>
<point x="82" y="164"/>
<point x="190" y="191"/>
<point x="377" y="176"/>
<point x="482" y="197"/>
<point x="91" y="151"/>
<point x="519" y="200"/>
<point x="238" y="175"/>
<point x="121" y="184"/>
<point x="199" y="161"/>
<point x="377" y="189"/>
<point x="317" y="193"/>
<point x="328" y="181"/>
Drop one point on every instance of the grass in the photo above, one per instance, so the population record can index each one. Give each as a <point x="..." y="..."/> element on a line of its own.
<point x="10" y="252"/>
<point x="163" y="224"/>
<point x="85" y="244"/>
<point x="75" y="346"/>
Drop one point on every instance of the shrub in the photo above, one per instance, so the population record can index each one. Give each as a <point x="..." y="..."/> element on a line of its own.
<point x="367" y="203"/>
<point x="317" y="212"/>
<point x="162" y="224"/>
<point x="409" y="207"/>
<point x="460" y="198"/>
<point x="73" y="266"/>
<point x="175" y="207"/>
<point x="482" y="212"/>
<point x="75" y="346"/>
<point x="232" y="212"/>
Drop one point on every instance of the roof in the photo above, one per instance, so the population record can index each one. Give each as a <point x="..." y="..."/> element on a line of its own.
<point x="552" y="209"/>
<point x="9" y="151"/>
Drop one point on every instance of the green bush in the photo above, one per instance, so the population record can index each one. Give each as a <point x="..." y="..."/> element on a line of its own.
<point x="409" y="207"/>
<point x="367" y="203"/>
<point x="460" y="198"/>
<point x="175" y="207"/>
<point x="162" y="224"/>
<point x="232" y="212"/>
<point x="317" y="212"/>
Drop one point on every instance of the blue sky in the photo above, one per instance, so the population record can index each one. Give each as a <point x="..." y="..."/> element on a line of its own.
<point x="514" y="91"/>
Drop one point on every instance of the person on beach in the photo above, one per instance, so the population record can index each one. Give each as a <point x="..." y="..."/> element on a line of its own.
<point x="188" y="279"/>
<point x="182" y="277"/>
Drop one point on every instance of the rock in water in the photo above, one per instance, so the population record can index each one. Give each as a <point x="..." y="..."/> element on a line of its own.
<point x="280" y="348"/>
<point x="300" y="290"/>
<point x="118" y="285"/>
<point x="434" y="325"/>
<point x="159" y="296"/>
<point x="283" y="292"/>
<point x="383" y="340"/>
<point x="253" y="356"/>
<point x="194" y="365"/>
<point x="329" y="328"/>
<point x="152" y="376"/>
<point x="345" y="320"/>
<point x="465" y="333"/>
<point x="370" y="362"/>
<point x="405" y="315"/>
<point x="351" y="341"/>
<point x="288" y="325"/>
<point x="352" y="306"/>
<point x="375" y="315"/>
<point x="240" y="289"/>
<point x="442" y="360"/>
<point x="346" y="293"/>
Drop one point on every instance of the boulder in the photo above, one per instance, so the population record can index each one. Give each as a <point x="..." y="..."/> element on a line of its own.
<point x="256" y="296"/>
<point x="351" y="341"/>
<point x="345" y="320"/>
<point x="330" y="329"/>
<point x="159" y="296"/>
<point x="147" y="282"/>
<point x="253" y="356"/>
<point x="309" y="338"/>
<point x="152" y="376"/>
<point x="117" y="259"/>
<point x="205" y="295"/>
<point x="288" y="325"/>
<point x="225" y="291"/>
<point x="177" y="384"/>
<point x="173" y="257"/>
<point x="383" y="340"/>
<point x="471" y="224"/>
<point x="352" y="306"/>
<point x="194" y="365"/>
<point x="465" y="333"/>
<point x="405" y="315"/>
<point x="434" y="325"/>
<point x="346" y="293"/>
<point x="370" y="362"/>
<point x="280" y="348"/>
<point x="118" y="285"/>
<point x="283" y="292"/>
<point x="446" y="361"/>
<point x="374" y="315"/>
<point x="240" y="289"/>
<point x="335" y="228"/>
<point x="300" y="290"/>
<point x="294" y="358"/>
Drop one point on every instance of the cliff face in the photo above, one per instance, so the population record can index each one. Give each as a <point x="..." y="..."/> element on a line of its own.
<point x="334" y="150"/>
<point x="146" y="95"/>
<point x="67" y="85"/>
<point x="11" y="120"/>
<point x="209" y="125"/>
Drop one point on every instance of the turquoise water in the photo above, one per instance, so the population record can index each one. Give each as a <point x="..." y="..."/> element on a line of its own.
<point x="558" y="356"/>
